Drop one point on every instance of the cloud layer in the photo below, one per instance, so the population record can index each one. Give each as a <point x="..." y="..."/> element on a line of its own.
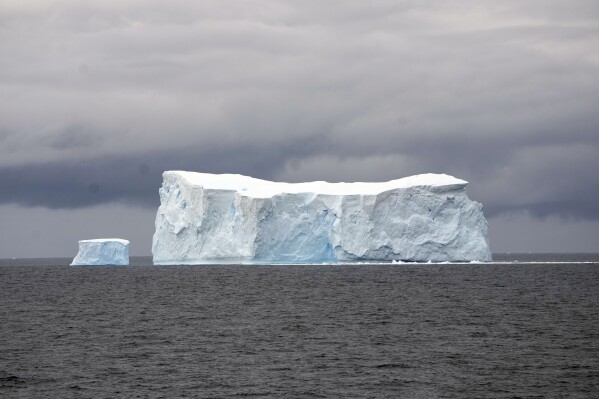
<point x="98" y="98"/>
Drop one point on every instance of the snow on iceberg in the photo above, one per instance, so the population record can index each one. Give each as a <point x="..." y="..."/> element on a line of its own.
<point x="102" y="251"/>
<point x="206" y="218"/>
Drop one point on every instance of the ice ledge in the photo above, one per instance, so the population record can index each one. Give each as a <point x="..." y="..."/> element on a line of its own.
<point x="258" y="188"/>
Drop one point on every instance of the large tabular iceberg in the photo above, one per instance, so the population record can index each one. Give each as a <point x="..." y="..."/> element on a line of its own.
<point x="102" y="251"/>
<point x="206" y="218"/>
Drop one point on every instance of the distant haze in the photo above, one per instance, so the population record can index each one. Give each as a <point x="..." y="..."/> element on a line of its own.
<point x="98" y="98"/>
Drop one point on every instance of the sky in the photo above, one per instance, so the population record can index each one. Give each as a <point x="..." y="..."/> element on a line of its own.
<point x="98" y="98"/>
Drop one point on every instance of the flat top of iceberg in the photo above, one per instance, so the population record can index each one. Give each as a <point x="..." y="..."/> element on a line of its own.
<point x="263" y="188"/>
<point x="119" y="240"/>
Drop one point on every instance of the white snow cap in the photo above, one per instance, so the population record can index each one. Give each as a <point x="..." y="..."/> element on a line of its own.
<point x="259" y="188"/>
<point x="119" y="240"/>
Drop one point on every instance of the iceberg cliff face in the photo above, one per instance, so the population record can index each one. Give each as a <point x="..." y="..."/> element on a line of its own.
<point x="102" y="251"/>
<point x="206" y="218"/>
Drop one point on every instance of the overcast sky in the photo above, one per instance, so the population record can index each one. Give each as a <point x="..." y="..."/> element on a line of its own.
<point x="98" y="98"/>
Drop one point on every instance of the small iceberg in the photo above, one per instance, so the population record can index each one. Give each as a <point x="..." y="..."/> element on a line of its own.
<point x="102" y="252"/>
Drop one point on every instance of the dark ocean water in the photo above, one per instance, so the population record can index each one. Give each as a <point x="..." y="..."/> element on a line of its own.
<point x="505" y="330"/>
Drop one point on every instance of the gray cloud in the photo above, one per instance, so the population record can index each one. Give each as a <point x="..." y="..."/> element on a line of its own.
<point x="98" y="98"/>
<point x="522" y="184"/>
<point x="135" y="179"/>
<point x="39" y="232"/>
<point x="72" y="137"/>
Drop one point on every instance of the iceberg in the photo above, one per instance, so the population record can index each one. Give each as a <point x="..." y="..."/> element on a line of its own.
<point x="102" y="251"/>
<point x="208" y="218"/>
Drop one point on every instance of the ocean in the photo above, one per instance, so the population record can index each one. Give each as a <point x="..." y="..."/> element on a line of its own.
<point x="525" y="326"/>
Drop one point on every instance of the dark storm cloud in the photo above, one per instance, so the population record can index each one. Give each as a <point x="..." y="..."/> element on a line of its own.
<point x="72" y="137"/>
<point x="135" y="179"/>
<point x="97" y="99"/>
